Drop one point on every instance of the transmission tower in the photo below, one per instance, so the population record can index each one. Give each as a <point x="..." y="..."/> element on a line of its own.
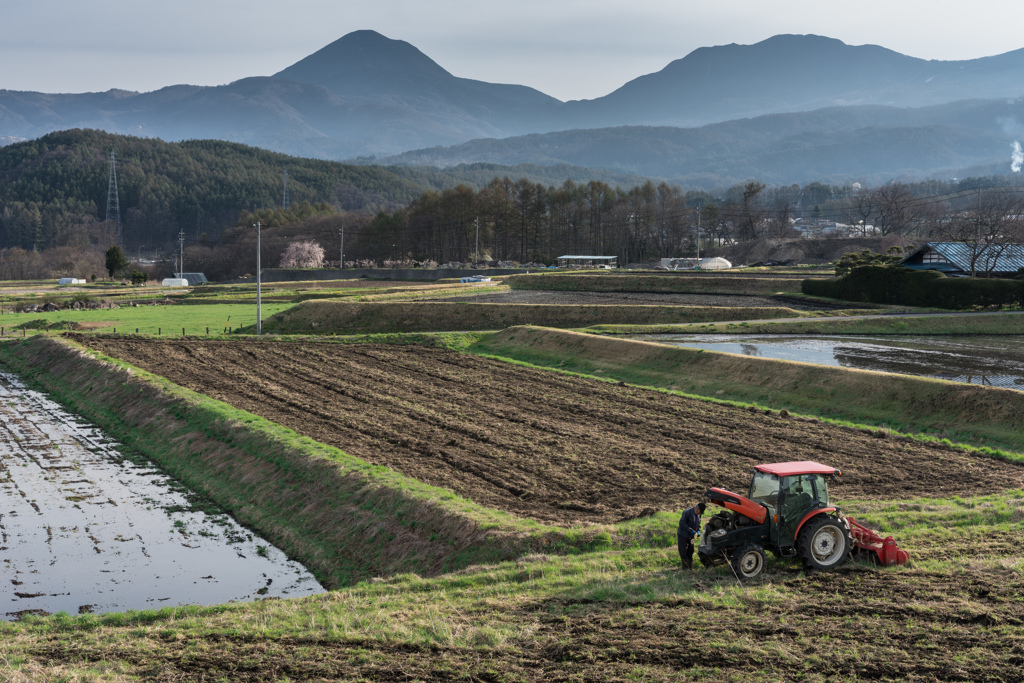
<point x="284" y="202"/>
<point x="113" y="204"/>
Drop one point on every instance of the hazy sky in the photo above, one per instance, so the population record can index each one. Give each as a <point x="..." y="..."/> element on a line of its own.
<point x="570" y="49"/>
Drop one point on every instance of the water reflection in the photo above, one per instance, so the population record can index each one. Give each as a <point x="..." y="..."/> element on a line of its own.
<point x="988" y="360"/>
<point x="82" y="529"/>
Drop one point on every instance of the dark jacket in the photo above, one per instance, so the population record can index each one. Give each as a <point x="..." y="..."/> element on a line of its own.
<point x="689" y="523"/>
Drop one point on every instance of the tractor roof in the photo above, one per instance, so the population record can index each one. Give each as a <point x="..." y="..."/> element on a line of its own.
<point x="787" y="469"/>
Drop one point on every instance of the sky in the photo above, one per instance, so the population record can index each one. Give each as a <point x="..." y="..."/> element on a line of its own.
<point x="569" y="49"/>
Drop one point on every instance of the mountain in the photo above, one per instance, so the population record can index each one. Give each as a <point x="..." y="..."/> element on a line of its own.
<point x="361" y="95"/>
<point x="789" y="73"/>
<point x="840" y="144"/>
<point x="366" y="95"/>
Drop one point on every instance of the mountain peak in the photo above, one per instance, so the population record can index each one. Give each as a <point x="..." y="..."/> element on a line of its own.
<point x="363" y="62"/>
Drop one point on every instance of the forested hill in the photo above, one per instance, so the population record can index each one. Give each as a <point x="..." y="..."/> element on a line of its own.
<point x="53" y="190"/>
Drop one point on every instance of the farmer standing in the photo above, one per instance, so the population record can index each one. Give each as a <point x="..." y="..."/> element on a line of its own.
<point x="689" y="526"/>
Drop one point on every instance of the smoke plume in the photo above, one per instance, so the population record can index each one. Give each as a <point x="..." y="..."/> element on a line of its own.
<point x="1016" y="157"/>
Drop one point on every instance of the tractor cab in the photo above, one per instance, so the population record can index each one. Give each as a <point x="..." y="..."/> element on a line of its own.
<point x="791" y="493"/>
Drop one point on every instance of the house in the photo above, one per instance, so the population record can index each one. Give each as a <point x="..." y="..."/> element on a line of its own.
<point x="966" y="258"/>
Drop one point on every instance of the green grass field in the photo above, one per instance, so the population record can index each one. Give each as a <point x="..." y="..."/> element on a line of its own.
<point x="163" y="319"/>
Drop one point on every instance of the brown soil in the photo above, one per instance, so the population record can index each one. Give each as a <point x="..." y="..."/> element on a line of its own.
<point x="539" y="444"/>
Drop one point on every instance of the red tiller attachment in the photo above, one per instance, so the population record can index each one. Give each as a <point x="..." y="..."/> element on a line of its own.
<point x="881" y="550"/>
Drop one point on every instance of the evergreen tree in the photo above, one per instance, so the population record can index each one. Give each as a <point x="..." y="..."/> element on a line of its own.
<point x="116" y="261"/>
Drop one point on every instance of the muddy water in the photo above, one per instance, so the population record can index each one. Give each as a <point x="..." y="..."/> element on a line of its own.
<point x="83" y="529"/>
<point x="988" y="360"/>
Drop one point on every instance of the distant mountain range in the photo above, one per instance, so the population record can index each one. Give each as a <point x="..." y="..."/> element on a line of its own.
<point x="873" y="112"/>
<point x="835" y="145"/>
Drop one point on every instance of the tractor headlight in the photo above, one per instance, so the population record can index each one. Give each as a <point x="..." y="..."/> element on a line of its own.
<point x="718" y="533"/>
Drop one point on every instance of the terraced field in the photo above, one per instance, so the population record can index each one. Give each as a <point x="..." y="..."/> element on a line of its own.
<point x="542" y="445"/>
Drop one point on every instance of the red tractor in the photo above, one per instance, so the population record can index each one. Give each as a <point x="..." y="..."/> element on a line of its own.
<point x="787" y="512"/>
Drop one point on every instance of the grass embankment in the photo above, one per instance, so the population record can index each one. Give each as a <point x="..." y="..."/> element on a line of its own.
<point x="339" y="317"/>
<point x="674" y="283"/>
<point x="939" y="324"/>
<point x="953" y="614"/>
<point x="856" y="324"/>
<point x="984" y="417"/>
<point x="166" y="319"/>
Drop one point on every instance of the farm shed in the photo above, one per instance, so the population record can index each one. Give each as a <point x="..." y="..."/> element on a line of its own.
<point x="192" y="278"/>
<point x="70" y="281"/>
<point x="964" y="258"/>
<point x="174" y="282"/>
<point x="573" y="261"/>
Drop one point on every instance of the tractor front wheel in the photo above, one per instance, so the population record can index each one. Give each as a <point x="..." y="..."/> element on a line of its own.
<point x="824" y="543"/>
<point x="749" y="561"/>
<point x="711" y="560"/>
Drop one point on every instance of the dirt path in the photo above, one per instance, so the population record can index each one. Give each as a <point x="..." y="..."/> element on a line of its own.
<point x="538" y="444"/>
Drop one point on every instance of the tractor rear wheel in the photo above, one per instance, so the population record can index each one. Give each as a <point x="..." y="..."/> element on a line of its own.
<point x="824" y="543"/>
<point x="749" y="561"/>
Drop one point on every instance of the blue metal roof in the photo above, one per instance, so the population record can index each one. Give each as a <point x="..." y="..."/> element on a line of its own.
<point x="1007" y="258"/>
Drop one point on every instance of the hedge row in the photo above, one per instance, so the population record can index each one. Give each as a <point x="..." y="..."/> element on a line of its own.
<point x="903" y="286"/>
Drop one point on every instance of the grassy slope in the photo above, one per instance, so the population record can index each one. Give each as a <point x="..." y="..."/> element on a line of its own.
<point x="981" y="416"/>
<point x="953" y="324"/>
<point x="326" y="317"/>
<point x="954" y="614"/>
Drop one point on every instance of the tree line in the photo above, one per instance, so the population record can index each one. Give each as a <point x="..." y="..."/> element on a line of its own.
<point x="524" y="221"/>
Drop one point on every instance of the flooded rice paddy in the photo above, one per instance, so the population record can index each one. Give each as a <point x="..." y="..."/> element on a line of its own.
<point x="84" y="529"/>
<point x="988" y="360"/>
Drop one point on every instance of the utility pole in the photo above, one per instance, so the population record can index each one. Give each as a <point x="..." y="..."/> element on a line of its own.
<point x="698" y="236"/>
<point x="284" y="200"/>
<point x="476" y="256"/>
<point x="181" y="253"/>
<point x="259" y="317"/>
<point x="341" y="242"/>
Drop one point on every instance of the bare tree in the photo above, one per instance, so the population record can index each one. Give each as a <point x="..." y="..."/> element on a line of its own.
<point x="897" y="211"/>
<point x="863" y="209"/>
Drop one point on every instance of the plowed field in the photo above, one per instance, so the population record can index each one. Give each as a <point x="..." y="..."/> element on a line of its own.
<point x="538" y="444"/>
